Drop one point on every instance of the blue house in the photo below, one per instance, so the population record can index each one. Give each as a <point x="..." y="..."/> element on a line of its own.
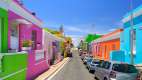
<point x="126" y="36"/>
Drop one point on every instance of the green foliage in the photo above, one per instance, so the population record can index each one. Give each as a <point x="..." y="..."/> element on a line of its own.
<point x="90" y="37"/>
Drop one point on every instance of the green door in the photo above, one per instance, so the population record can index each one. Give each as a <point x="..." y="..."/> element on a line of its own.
<point x="0" y="33"/>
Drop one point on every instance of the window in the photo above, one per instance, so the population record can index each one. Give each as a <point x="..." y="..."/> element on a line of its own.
<point x="105" y="51"/>
<point x="107" y="65"/>
<point x="133" y="40"/>
<point x="39" y="55"/>
<point x="34" y="40"/>
<point x="113" y="47"/>
<point x="96" y="49"/>
<point x="14" y="38"/>
<point x="101" y="65"/>
<point x="125" y="68"/>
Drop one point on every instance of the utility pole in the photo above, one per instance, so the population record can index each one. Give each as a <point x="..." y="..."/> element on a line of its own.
<point x="132" y="32"/>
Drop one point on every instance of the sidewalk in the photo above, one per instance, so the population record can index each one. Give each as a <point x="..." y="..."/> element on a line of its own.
<point x="52" y="70"/>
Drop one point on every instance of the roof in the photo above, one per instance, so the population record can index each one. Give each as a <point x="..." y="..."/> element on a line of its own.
<point x="110" y="36"/>
<point x="53" y="36"/>
<point x="21" y="11"/>
<point x="136" y="12"/>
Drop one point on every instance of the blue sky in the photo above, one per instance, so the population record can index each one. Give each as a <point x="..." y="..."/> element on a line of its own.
<point x="81" y="17"/>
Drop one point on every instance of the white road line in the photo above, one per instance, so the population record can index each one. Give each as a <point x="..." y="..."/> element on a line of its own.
<point x="53" y="75"/>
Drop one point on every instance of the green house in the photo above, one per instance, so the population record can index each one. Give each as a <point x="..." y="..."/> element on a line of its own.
<point x="12" y="65"/>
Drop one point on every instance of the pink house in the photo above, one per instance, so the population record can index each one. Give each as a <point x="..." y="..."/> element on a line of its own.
<point x="25" y="26"/>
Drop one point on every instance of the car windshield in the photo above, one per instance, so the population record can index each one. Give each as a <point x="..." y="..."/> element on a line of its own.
<point x="89" y="60"/>
<point x="125" y="68"/>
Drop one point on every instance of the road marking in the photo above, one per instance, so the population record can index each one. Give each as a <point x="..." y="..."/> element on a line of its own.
<point x="53" y="75"/>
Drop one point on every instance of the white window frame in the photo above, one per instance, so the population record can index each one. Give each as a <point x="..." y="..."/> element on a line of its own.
<point x="14" y="45"/>
<point x="39" y="55"/>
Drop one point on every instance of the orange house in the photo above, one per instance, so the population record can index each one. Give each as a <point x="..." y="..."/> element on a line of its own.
<point x="102" y="47"/>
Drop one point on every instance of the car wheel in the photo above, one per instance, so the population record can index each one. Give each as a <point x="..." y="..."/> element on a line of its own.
<point x="105" y="78"/>
<point x="95" y="77"/>
<point x="89" y="69"/>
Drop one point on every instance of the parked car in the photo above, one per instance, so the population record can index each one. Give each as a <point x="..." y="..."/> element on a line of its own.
<point x="83" y="55"/>
<point x="80" y="52"/>
<point x="92" y="65"/>
<point x="109" y="70"/>
<point x="87" y="59"/>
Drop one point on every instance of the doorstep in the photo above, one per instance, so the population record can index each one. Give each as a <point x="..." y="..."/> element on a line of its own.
<point x="52" y="70"/>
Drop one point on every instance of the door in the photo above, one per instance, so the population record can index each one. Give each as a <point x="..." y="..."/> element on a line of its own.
<point x="0" y="34"/>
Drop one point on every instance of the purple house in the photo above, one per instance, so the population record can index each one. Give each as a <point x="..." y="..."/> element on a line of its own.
<point x="23" y="25"/>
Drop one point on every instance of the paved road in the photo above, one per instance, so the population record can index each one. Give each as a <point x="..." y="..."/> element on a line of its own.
<point x="74" y="70"/>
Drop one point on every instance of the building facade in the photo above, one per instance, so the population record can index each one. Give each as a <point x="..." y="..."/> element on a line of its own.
<point x="25" y="52"/>
<point x="13" y="65"/>
<point x="126" y="35"/>
<point x="102" y="47"/>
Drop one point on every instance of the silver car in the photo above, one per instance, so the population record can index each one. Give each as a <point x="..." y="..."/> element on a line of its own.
<point x="92" y="65"/>
<point x="109" y="70"/>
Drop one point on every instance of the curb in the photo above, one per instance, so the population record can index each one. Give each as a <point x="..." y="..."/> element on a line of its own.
<point x="53" y="69"/>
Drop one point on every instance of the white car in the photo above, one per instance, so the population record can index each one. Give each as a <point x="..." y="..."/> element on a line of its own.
<point x="109" y="70"/>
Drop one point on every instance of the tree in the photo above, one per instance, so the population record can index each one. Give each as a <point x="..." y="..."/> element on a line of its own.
<point x="90" y="37"/>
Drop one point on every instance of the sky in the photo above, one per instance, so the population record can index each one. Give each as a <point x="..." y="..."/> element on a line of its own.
<point x="81" y="17"/>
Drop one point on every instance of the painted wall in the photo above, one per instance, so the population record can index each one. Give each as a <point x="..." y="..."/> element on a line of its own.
<point x="104" y="49"/>
<point x="47" y="39"/>
<point x="4" y="30"/>
<point x="126" y="37"/>
<point x="14" y="66"/>
<point x="25" y="33"/>
<point x="125" y="44"/>
<point x="34" y="68"/>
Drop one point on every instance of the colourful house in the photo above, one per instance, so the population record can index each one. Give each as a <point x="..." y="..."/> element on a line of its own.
<point x="103" y="46"/>
<point x="126" y="37"/>
<point x="87" y="42"/>
<point x="25" y="52"/>
<point x="53" y="47"/>
<point x="22" y="25"/>
<point x="13" y="65"/>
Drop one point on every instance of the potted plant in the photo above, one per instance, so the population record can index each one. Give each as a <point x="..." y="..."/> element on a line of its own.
<point x="26" y="45"/>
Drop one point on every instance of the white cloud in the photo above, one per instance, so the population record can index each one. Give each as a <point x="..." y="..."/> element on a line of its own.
<point x="79" y="29"/>
<point x="113" y="29"/>
<point x="74" y="29"/>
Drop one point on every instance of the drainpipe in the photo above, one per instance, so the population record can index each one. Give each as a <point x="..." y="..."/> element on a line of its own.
<point x="132" y="32"/>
